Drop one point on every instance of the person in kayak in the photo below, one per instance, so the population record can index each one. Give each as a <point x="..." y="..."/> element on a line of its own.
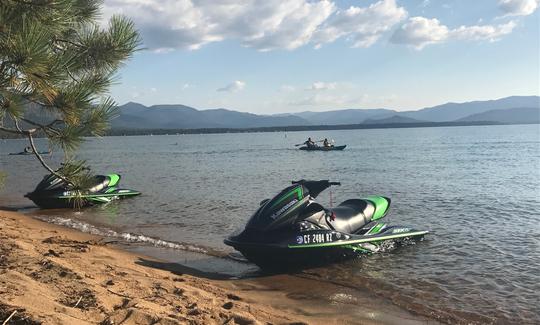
<point x="326" y="143"/>
<point x="310" y="143"/>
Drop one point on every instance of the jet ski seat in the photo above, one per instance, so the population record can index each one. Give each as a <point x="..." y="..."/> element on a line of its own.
<point x="100" y="183"/>
<point x="350" y="216"/>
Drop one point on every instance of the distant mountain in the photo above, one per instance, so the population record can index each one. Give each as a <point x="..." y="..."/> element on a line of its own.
<point x="455" y="111"/>
<point x="234" y="119"/>
<point x="134" y="115"/>
<point x="396" y="119"/>
<point x="509" y="115"/>
<point x="137" y="116"/>
<point x="440" y="113"/>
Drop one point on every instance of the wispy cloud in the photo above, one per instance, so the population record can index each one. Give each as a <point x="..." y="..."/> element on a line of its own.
<point x="319" y="85"/>
<point x="518" y="7"/>
<point x="420" y="31"/>
<point x="233" y="87"/>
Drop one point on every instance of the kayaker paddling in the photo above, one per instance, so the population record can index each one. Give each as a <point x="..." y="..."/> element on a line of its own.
<point x="310" y="143"/>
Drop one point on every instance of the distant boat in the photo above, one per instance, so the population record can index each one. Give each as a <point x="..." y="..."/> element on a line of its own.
<point x="321" y="148"/>
<point x="24" y="153"/>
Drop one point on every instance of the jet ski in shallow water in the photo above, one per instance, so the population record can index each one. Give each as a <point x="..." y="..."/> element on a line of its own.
<point x="292" y="229"/>
<point x="52" y="192"/>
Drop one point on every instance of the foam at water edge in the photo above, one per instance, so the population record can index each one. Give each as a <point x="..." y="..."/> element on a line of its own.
<point x="128" y="237"/>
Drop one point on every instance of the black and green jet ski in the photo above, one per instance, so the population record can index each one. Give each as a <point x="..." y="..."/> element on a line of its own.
<point x="292" y="229"/>
<point x="52" y="192"/>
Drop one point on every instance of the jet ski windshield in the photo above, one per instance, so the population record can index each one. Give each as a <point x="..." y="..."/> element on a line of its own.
<point x="50" y="183"/>
<point x="284" y="208"/>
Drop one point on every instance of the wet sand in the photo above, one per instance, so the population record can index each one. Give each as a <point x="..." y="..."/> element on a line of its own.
<point x="55" y="275"/>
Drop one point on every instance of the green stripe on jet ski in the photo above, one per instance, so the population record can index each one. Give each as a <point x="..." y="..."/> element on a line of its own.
<point x="359" y="241"/>
<point x="114" y="178"/>
<point x="376" y="229"/>
<point x="299" y="192"/>
<point x="381" y="206"/>
<point x="100" y="199"/>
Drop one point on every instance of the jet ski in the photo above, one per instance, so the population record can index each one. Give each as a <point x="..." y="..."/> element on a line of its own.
<point x="322" y="148"/>
<point x="292" y="229"/>
<point x="52" y="192"/>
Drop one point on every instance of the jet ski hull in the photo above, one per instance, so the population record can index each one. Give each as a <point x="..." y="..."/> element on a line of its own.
<point x="313" y="248"/>
<point x="60" y="201"/>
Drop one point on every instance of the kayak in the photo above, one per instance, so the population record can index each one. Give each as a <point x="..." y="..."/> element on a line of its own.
<point x="27" y="153"/>
<point x="323" y="148"/>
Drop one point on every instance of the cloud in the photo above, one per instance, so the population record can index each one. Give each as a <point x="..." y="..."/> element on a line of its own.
<point x="233" y="87"/>
<point x="319" y="85"/>
<point x="189" y="24"/>
<point x="484" y="32"/>
<point x="362" y="26"/>
<point x="283" y="24"/>
<point x="261" y="24"/>
<point x="518" y="7"/>
<point x="267" y="25"/>
<point x="420" y="31"/>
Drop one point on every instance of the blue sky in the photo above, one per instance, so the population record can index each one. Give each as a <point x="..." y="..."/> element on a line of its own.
<point x="269" y="56"/>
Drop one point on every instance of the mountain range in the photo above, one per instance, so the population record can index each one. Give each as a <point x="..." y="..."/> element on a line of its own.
<point x="515" y="109"/>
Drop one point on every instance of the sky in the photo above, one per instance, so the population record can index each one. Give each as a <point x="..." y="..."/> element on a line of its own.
<point x="271" y="56"/>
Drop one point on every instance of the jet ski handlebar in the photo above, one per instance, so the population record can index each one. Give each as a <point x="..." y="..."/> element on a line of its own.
<point x="315" y="187"/>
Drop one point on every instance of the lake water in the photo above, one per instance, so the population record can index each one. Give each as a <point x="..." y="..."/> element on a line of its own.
<point x="477" y="189"/>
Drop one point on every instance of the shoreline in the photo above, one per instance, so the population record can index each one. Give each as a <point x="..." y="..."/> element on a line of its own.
<point x="52" y="274"/>
<point x="293" y="128"/>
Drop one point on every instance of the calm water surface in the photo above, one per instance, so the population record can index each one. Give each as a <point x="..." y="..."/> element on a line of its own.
<point x="477" y="189"/>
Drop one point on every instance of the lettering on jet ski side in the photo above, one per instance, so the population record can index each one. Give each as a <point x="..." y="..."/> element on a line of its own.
<point x="282" y="210"/>
<point x="400" y="230"/>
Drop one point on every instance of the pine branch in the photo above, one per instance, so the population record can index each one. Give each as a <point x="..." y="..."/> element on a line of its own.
<point x="43" y="163"/>
<point x="2" y="128"/>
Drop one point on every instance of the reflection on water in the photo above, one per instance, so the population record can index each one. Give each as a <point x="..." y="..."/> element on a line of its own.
<point x="475" y="188"/>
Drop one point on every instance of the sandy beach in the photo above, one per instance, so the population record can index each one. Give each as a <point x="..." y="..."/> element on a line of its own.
<point x="54" y="275"/>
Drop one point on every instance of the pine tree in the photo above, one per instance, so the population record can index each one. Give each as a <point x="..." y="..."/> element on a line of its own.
<point x="55" y="59"/>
